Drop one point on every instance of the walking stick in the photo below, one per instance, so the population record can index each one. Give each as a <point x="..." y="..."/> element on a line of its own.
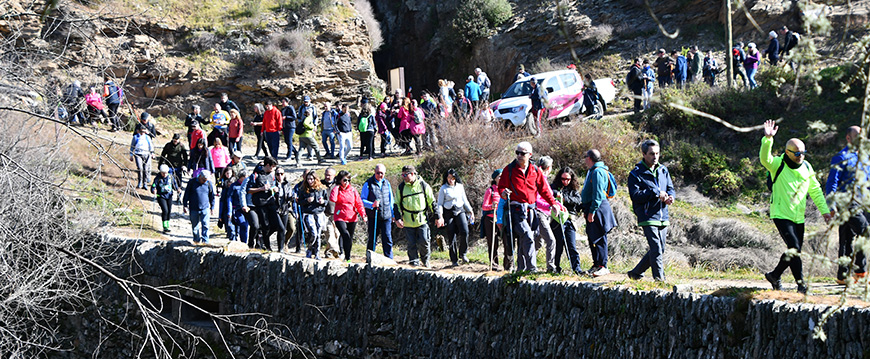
<point x="375" y="233"/>
<point x="511" y="228"/>
<point x="301" y="224"/>
<point x="494" y="244"/>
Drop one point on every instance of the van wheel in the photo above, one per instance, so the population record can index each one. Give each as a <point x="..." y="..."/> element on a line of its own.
<point x="531" y="125"/>
<point x="597" y="110"/>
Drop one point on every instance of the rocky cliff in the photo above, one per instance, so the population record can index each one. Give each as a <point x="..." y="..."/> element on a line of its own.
<point x="166" y="65"/>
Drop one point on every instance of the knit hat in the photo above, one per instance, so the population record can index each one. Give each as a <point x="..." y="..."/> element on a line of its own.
<point x="496" y="173"/>
<point x="772" y="34"/>
<point x="164" y="168"/>
<point x="176" y="136"/>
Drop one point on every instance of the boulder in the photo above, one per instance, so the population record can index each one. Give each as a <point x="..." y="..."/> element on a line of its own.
<point x="375" y="259"/>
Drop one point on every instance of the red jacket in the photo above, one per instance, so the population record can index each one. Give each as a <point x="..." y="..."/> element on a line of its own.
<point x="347" y="204"/>
<point x="273" y="121"/>
<point x="525" y="187"/>
<point x="195" y="136"/>
<point x="236" y="127"/>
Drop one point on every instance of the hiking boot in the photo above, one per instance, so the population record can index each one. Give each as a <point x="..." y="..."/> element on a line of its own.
<point x="774" y="282"/>
<point x="602" y="271"/>
<point x="454" y="264"/>
<point x="802" y="289"/>
<point x="631" y="275"/>
<point x="841" y="281"/>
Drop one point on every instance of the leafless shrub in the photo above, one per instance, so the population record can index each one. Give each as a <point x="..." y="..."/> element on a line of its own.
<point x="728" y="233"/>
<point x="289" y="51"/>
<point x="545" y="64"/>
<point x="597" y="36"/>
<point x="364" y="8"/>
<point x="203" y="40"/>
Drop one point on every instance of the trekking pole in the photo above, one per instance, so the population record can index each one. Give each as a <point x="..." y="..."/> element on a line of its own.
<point x="301" y="228"/>
<point x="511" y="228"/>
<point x="375" y="233"/>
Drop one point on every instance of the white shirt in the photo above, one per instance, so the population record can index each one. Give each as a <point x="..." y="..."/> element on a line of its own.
<point x="450" y="197"/>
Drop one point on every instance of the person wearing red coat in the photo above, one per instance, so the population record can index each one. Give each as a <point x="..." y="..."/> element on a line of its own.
<point x="273" y="123"/>
<point x="347" y="210"/>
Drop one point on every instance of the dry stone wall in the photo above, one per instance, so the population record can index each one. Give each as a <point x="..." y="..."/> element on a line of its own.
<point x="357" y="310"/>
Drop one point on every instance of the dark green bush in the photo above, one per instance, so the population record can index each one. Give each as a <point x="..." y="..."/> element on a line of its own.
<point x="476" y="19"/>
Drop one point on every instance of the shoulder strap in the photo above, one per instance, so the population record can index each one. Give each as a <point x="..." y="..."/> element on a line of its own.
<point x="779" y="170"/>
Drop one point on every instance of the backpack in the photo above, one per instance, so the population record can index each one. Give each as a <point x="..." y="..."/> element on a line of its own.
<point x="417" y="117"/>
<point x="610" y="191"/>
<point x="364" y="123"/>
<point x="300" y="127"/>
<point x="423" y="193"/>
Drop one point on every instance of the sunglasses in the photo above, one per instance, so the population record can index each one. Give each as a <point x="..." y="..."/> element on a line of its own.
<point x="522" y="153"/>
<point x="407" y="174"/>
<point x="346" y="180"/>
<point x="799" y="153"/>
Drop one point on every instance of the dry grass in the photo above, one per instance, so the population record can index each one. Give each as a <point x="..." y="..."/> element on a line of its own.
<point x="289" y="51"/>
<point x="364" y="8"/>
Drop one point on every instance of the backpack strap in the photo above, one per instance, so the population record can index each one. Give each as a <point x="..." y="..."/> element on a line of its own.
<point x="779" y="170"/>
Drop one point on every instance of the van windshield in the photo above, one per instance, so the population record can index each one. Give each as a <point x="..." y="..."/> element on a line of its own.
<point x="518" y="89"/>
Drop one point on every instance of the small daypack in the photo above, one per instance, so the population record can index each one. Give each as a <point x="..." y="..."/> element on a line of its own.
<point x="364" y="123"/>
<point x="417" y="117"/>
<point x="300" y="127"/>
<point x="610" y="191"/>
<point x="771" y="181"/>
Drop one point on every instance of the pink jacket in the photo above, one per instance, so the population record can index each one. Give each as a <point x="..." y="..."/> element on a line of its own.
<point x="348" y="204"/>
<point x="94" y="100"/>
<point x="220" y="156"/>
<point x="490" y="199"/>
<point x="404" y="119"/>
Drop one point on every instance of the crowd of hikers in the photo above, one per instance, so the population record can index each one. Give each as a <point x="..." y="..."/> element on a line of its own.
<point x="690" y="65"/>
<point x="523" y="210"/>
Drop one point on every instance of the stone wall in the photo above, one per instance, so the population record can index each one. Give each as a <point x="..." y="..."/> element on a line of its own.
<point x="359" y="310"/>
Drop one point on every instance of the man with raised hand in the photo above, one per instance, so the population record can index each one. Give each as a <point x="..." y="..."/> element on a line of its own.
<point x="792" y="178"/>
<point x="652" y="191"/>
<point x="520" y="184"/>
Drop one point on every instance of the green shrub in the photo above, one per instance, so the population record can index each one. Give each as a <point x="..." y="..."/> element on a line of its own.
<point x="476" y="19"/>
<point x="544" y="65"/>
<point x="496" y="12"/>
<point x="723" y="183"/>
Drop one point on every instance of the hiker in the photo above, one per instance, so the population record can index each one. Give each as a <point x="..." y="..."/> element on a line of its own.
<point x="263" y="189"/>
<point x="841" y="179"/>
<point x="635" y="82"/>
<point x="681" y="68"/>
<point x="415" y="201"/>
<point x="312" y="202"/>
<point x="333" y="246"/>
<point x="345" y="136"/>
<point x="544" y="234"/>
<point x="695" y="65"/>
<point x="95" y="104"/>
<point x="455" y="213"/>
<point x="163" y="187"/>
<point x="711" y="69"/>
<point x="227" y="104"/>
<point x="257" y="122"/>
<point x="288" y="210"/>
<point x="520" y="185"/>
<point x="220" y="158"/>
<point x="220" y="119"/>
<point x="238" y="206"/>
<point x="648" y="77"/>
<point x="483" y="81"/>
<point x="141" y="149"/>
<point x="651" y="191"/>
<point x="226" y="179"/>
<point x="377" y="198"/>
<point x="306" y="105"/>
<point x="273" y="123"/>
<point x="174" y="155"/>
<point x="751" y="64"/>
<point x="145" y="121"/>
<point x="74" y="99"/>
<point x="591" y="96"/>
<point x="596" y="210"/>
<point x="665" y="67"/>
<point x="306" y="138"/>
<point x="193" y="122"/>
<point x="788" y="201"/>
<point x="289" y="118"/>
<point x="772" y="51"/>
<point x="790" y="39"/>
<point x="540" y="102"/>
<point x="488" y="207"/>
<point x="198" y="200"/>
<point x="566" y="188"/>
<point x="521" y="73"/>
<point x="367" y="128"/>
<point x="327" y="131"/>
<point x="381" y="118"/>
<point x="114" y="97"/>
<point x="473" y="91"/>
<point x="348" y="209"/>
<point x="738" y="55"/>
<point x="234" y="132"/>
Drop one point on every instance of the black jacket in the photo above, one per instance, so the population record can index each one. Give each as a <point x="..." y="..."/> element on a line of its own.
<point x="174" y="156"/>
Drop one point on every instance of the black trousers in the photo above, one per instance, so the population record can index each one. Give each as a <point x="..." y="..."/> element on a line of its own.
<point x="345" y="231"/>
<point x="165" y="207"/>
<point x="253" y="228"/>
<point x="457" y="234"/>
<point x="366" y="144"/>
<point x="271" y="223"/>
<point x="793" y="235"/>
<point x="855" y="226"/>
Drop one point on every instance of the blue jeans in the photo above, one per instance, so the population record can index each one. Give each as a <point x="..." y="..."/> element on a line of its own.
<point x="566" y="240"/>
<point x="327" y="138"/>
<point x="273" y="139"/>
<point x="288" y="140"/>
<point x="418" y="240"/>
<point x="750" y="73"/>
<point x="199" y="220"/>
<point x="384" y="229"/>
<point x="655" y="237"/>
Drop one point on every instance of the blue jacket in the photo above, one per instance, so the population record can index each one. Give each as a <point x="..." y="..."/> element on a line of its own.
<point x="289" y="114"/>
<point x="473" y="91"/>
<point x="681" y="68"/>
<point x="344" y="125"/>
<point x="373" y="190"/>
<point x="301" y="114"/>
<point x="842" y="174"/>
<point x="644" y="186"/>
<point x="773" y="51"/>
<point x="164" y="186"/>
<point x="141" y="145"/>
<point x="199" y="196"/>
<point x="329" y="119"/>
